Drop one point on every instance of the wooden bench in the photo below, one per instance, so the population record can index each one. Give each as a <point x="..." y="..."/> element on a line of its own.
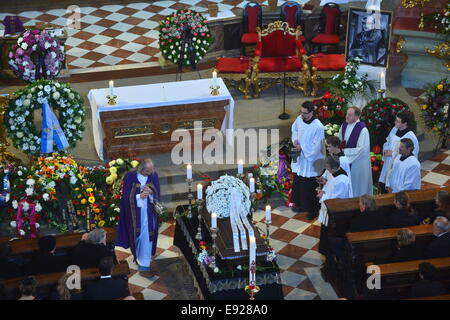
<point x="47" y="282"/>
<point x="398" y="278"/>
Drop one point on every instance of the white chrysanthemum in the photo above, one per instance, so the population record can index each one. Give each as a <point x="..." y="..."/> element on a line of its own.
<point x="46" y="197"/>
<point x="13" y="224"/>
<point x="15" y="204"/>
<point x="73" y="180"/>
<point x="30" y="182"/>
<point x="29" y="191"/>
<point x="38" y="207"/>
<point x="22" y="233"/>
<point x="25" y="206"/>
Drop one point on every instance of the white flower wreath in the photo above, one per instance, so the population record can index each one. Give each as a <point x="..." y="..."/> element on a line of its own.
<point x="218" y="195"/>
<point x="20" y="114"/>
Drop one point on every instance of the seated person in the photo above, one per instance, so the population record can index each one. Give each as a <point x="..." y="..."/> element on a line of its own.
<point x="107" y="288"/>
<point x="443" y="206"/>
<point x="440" y="246"/>
<point x="46" y="261"/>
<point x="370" y="218"/>
<point x="404" y="215"/>
<point x="407" y="249"/>
<point x="91" y="249"/>
<point x="8" y="269"/>
<point x="427" y="285"/>
<point x="62" y="292"/>
<point x="27" y="289"/>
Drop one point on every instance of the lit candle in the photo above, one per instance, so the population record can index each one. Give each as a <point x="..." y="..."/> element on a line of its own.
<point x="252" y="251"/>
<point x="252" y="184"/>
<point x="240" y="167"/>
<point x="189" y="171"/>
<point x="111" y="86"/>
<point x="382" y="81"/>
<point x="214" y="220"/>
<point x="214" y="74"/>
<point x="268" y="213"/>
<point x="199" y="191"/>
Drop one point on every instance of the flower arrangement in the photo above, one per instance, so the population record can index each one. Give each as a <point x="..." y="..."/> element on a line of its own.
<point x="350" y="84"/>
<point x="331" y="109"/>
<point x="331" y="130"/>
<point x="379" y="117"/>
<point x="19" y="117"/>
<point x="118" y="168"/>
<point x="36" y="55"/>
<point x="376" y="162"/>
<point x="172" y="29"/>
<point x="434" y="111"/>
<point x="218" y="195"/>
<point x="440" y="20"/>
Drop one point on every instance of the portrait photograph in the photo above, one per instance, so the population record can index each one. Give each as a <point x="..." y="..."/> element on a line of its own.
<point x="368" y="36"/>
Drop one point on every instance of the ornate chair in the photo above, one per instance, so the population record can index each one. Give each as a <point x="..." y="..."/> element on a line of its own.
<point x="291" y="12"/>
<point x="329" y="27"/>
<point x="325" y="66"/>
<point x="251" y="19"/>
<point x="280" y="57"/>
<point x="237" y="73"/>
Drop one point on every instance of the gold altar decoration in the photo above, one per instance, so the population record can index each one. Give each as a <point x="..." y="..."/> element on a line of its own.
<point x="399" y="45"/>
<point x="6" y="157"/>
<point x="408" y="4"/>
<point x="441" y="51"/>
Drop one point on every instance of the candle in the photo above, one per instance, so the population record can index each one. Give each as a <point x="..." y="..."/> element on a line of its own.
<point x="268" y="213"/>
<point x="111" y="86"/>
<point x="240" y="167"/>
<point x="252" y="252"/>
<point x="252" y="184"/>
<point x="189" y="171"/>
<point x="214" y="74"/>
<point x="199" y="191"/>
<point x="382" y="81"/>
<point x="214" y="220"/>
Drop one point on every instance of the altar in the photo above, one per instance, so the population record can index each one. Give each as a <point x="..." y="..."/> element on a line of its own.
<point x="145" y="116"/>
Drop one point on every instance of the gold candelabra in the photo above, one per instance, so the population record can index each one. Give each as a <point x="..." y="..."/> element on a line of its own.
<point x="416" y="3"/>
<point x="381" y="93"/>
<point x="5" y="156"/>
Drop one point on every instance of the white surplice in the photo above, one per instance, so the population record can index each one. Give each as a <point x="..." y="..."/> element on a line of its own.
<point x="143" y="243"/>
<point x="359" y="158"/>
<point x="393" y="143"/>
<point x="344" y="164"/>
<point x="339" y="187"/>
<point x="310" y="137"/>
<point x="405" y="175"/>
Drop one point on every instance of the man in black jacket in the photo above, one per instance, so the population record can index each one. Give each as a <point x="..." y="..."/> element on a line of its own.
<point x="440" y="246"/>
<point x="427" y="286"/>
<point x="369" y="218"/>
<point x="46" y="261"/>
<point x="107" y="288"/>
<point x="8" y="269"/>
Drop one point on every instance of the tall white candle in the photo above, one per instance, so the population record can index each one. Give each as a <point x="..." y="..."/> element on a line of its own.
<point x="382" y="81"/>
<point x="240" y="167"/>
<point x="252" y="251"/>
<point x="189" y="171"/>
<point x="199" y="191"/>
<point x="268" y="213"/>
<point x="214" y="220"/>
<point x="111" y="86"/>
<point x="214" y="78"/>
<point x="252" y="184"/>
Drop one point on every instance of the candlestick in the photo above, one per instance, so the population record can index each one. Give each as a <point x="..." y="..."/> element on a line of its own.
<point x="214" y="236"/>
<point x="214" y="220"/>
<point x="381" y="93"/>
<point x="111" y="100"/>
<point x="111" y="86"/>
<point x="240" y="167"/>
<point x="189" y="171"/>
<point x="252" y="184"/>
<point x="198" y="236"/>
<point x="252" y="266"/>
<point x="199" y="191"/>
<point x="190" y="197"/>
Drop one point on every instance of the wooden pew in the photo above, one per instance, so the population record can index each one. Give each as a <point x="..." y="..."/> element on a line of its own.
<point x="398" y="278"/>
<point x="47" y="282"/>
<point x="377" y="247"/>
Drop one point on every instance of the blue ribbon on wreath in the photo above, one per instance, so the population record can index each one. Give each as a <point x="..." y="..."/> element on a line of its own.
<point x="51" y="131"/>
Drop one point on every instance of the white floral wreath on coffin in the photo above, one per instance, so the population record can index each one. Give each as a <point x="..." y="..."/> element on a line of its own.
<point x="218" y="196"/>
<point x="20" y="114"/>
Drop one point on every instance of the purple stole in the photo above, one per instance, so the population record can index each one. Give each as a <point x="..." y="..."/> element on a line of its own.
<point x="354" y="136"/>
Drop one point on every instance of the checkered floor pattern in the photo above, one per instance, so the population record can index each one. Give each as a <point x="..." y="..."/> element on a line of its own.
<point x="114" y="35"/>
<point x="295" y="239"/>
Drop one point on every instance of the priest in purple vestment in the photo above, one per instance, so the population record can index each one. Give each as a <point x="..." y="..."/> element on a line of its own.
<point x="138" y="223"/>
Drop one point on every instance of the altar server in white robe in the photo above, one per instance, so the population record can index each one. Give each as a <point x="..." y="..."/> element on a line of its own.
<point x="308" y="138"/>
<point x="338" y="187"/>
<point x="405" y="173"/>
<point x="401" y="130"/>
<point x="356" y="145"/>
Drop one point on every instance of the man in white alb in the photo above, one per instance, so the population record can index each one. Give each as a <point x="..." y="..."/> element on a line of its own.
<point x="356" y="145"/>
<point x="405" y="173"/>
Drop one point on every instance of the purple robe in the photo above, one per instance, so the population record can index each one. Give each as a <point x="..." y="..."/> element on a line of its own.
<point x="354" y="136"/>
<point x="129" y="226"/>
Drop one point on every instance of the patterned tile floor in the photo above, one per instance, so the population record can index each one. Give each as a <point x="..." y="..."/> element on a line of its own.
<point x="114" y="35"/>
<point x="295" y="239"/>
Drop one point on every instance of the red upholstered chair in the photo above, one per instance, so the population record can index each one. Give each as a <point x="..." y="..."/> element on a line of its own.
<point x="251" y="19"/>
<point x="280" y="56"/>
<point x="325" y="66"/>
<point x="329" y="32"/>
<point x="291" y="12"/>
<point x="236" y="72"/>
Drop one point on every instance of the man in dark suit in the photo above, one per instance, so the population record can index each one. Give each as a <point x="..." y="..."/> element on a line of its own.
<point x="370" y="217"/>
<point x="107" y="288"/>
<point x="8" y="269"/>
<point x="440" y="246"/>
<point x="46" y="261"/>
<point x="427" y="286"/>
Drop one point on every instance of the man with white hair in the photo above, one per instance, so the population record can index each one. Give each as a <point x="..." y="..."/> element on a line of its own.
<point x="440" y="246"/>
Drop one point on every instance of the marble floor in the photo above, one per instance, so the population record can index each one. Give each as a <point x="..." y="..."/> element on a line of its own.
<point x="295" y="239"/>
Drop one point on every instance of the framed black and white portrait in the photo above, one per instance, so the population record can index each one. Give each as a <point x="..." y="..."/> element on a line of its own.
<point x="368" y="36"/>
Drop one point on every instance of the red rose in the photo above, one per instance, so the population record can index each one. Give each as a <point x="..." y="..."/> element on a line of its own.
<point x="327" y="95"/>
<point x="375" y="169"/>
<point x="376" y="149"/>
<point x="373" y="159"/>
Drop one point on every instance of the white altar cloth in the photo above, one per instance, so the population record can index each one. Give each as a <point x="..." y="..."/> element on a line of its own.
<point x="158" y="95"/>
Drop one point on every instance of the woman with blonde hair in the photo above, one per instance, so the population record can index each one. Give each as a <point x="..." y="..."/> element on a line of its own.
<point x="407" y="249"/>
<point x="404" y="215"/>
<point x="63" y="291"/>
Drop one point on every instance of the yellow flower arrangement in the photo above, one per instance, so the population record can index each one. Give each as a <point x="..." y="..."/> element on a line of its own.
<point x="113" y="170"/>
<point x="83" y="201"/>
<point x="109" y="180"/>
<point x="440" y="86"/>
<point x="119" y="161"/>
<point x="134" y="163"/>
<point x="424" y="107"/>
<point x="101" y="223"/>
<point x="89" y="190"/>
<point x="91" y="199"/>
<point x="111" y="163"/>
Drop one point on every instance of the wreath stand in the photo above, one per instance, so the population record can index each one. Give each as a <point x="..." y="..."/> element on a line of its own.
<point x="187" y="40"/>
